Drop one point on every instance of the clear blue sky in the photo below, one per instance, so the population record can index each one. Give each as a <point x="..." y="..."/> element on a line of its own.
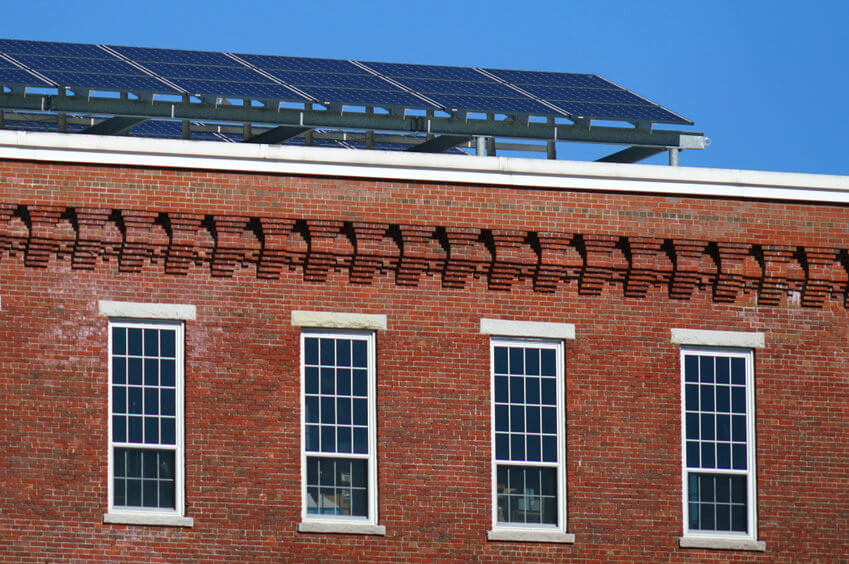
<point x="767" y="81"/>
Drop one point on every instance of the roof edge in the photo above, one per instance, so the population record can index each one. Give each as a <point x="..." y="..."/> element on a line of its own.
<point x="386" y="165"/>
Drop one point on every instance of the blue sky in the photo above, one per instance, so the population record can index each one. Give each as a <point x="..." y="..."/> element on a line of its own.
<point x="768" y="82"/>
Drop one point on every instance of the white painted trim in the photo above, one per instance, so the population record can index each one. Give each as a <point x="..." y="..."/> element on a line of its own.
<point x="722" y="544"/>
<point x="512" y="528"/>
<point x="342" y="527"/>
<point x="153" y="516"/>
<point x="137" y="310"/>
<point x="371" y="457"/>
<point x="750" y="472"/>
<point x="412" y="167"/>
<point x="148" y="519"/>
<point x="533" y="329"/>
<point x="749" y="340"/>
<point x="529" y="536"/>
<point x="334" y="320"/>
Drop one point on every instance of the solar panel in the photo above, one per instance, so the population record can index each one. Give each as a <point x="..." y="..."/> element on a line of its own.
<point x="81" y="66"/>
<point x="207" y="73"/>
<point x="587" y="95"/>
<point x="10" y="74"/>
<point x="456" y="88"/>
<point x="335" y="81"/>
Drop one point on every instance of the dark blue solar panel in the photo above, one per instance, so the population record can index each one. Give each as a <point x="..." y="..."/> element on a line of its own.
<point x="332" y="80"/>
<point x="71" y="64"/>
<point x="612" y="111"/>
<point x="107" y="81"/>
<point x="401" y="70"/>
<point x="17" y="76"/>
<point x="28" y="125"/>
<point x="605" y="95"/>
<point x="521" y="78"/>
<point x="18" y="46"/>
<point x="366" y="97"/>
<point x="228" y="74"/>
<point x="490" y="88"/>
<point x="303" y="64"/>
<point x="238" y="89"/>
<point x="148" y="55"/>
<point x="457" y="88"/>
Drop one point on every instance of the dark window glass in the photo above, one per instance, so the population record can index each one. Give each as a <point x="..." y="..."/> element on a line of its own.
<point x="738" y="371"/>
<point x="706" y="369"/>
<point x="534" y="449"/>
<point x="549" y="391"/>
<point x="692" y="397"/>
<point x="548" y="365"/>
<point x="723" y="401"/>
<point x="517" y="361"/>
<point x="119" y="340"/>
<point x="358" y="354"/>
<point x="343" y="352"/>
<point x="310" y="351"/>
<point x="722" y="370"/>
<point x="501" y="389"/>
<point x="134" y="432"/>
<point x="706" y="394"/>
<point x="738" y="400"/>
<point x="151" y="342"/>
<point x="168" y="434"/>
<point x="151" y="401"/>
<point x="343" y="381"/>
<point x="134" y="342"/>
<point x="327" y="352"/>
<point x="360" y="440"/>
<point x="311" y="409"/>
<point x="360" y="382"/>
<point x="167" y="345"/>
<point x="151" y="430"/>
<point x="549" y="448"/>
<point x="119" y="399"/>
<point x="167" y="373"/>
<point x="311" y="380"/>
<point x="119" y="370"/>
<point x="692" y="426"/>
<point x="517" y="447"/>
<point x="119" y="428"/>
<point x="360" y="412"/>
<point x="517" y="389"/>
<point x="134" y="399"/>
<point x="532" y="362"/>
<point x="151" y="372"/>
<point x="500" y="355"/>
<point x="502" y="418"/>
<point x="691" y="368"/>
<point x="517" y="419"/>
<point x="533" y="419"/>
<point x="134" y="371"/>
<point x="167" y="402"/>
<point x="328" y="383"/>
<point x="343" y="411"/>
<point x="502" y="446"/>
<point x="532" y="390"/>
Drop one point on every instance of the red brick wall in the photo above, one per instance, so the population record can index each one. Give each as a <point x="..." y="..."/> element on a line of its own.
<point x="248" y="249"/>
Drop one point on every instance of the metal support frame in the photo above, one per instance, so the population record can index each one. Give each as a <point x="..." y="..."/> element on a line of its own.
<point x="631" y="155"/>
<point x="277" y="134"/>
<point x="440" y="133"/>
<point x="114" y="125"/>
<point x="439" y="144"/>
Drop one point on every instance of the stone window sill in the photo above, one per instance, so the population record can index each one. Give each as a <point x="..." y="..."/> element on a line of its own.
<point x="722" y="543"/>
<point x="148" y="519"/>
<point x="343" y="528"/>
<point x="518" y="535"/>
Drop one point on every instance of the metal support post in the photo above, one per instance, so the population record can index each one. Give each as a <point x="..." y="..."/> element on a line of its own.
<point x="490" y="146"/>
<point x="673" y="156"/>
<point x="481" y="145"/>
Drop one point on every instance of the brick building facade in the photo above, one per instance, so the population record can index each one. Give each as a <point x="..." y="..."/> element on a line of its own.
<point x="442" y="264"/>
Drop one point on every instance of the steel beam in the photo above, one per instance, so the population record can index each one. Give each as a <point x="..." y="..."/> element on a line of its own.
<point x="277" y="134"/>
<point x="380" y="122"/>
<point x="631" y="155"/>
<point x="439" y="144"/>
<point x="114" y="125"/>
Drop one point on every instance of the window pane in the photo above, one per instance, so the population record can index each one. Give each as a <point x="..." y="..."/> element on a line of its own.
<point x="151" y="342"/>
<point x="500" y="356"/>
<point x="549" y="391"/>
<point x="134" y="371"/>
<point x="327" y="352"/>
<point x="722" y="370"/>
<point x="517" y="389"/>
<point x="134" y="342"/>
<point x="548" y="365"/>
<point x="532" y="362"/>
<point x="119" y="428"/>
<point x="168" y="435"/>
<point x="167" y="373"/>
<point x="119" y="370"/>
<point x="706" y="369"/>
<point x="343" y="352"/>
<point x="501" y="394"/>
<point x="119" y="340"/>
<point x="167" y="345"/>
<point x="151" y="372"/>
<point x="738" y="371"/>
<point x="119" y="399"/>
<point x="691" y="368"/>
<point x="502" y="418"/>
<point x="343" y="382"/>
<point x="359" y="353"/>
<point x="517" y="361"/>
<point x="310" y="351"/>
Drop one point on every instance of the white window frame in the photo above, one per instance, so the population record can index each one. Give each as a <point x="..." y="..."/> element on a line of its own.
<point x="725" y="344"/>
<point x="310" y="522"/>
<point x="142" y="515"/>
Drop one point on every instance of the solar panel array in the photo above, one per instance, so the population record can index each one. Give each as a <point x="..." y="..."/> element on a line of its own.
<point x="326" y="81"/>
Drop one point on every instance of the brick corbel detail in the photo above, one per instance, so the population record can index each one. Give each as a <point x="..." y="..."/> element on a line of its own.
<point x="234" y="244"/>
<point x="280" y="246"/>
<point x="693" y="266"/>
<point x="421" y="254"/>
<point x="558" y="260"/>
<point x="329" y="249"/>
<point x="184" y="229"/>
<point x="90" y="237"/>
<point x="648" y="265"/>
<point x="467" y="256"/>
<point x="139" y="240"/>
<point x="599" y="262"/>
<point x="513" y="259"/>
<point x="375" y="251"/>
<point x="44" y="240"/>
<point x="825" y="276"/>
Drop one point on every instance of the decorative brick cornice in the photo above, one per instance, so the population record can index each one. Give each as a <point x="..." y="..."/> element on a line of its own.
<point x="136" y="239"/>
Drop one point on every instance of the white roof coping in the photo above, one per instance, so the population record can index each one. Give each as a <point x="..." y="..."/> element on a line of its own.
<point x="499" y="171"/>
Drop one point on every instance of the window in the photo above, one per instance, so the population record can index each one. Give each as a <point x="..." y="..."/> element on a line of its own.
<point x="527" y="423"/>
<point x="338" y="460"/>
<point x="718" y="441"/>
<point x="146" y="422"/>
